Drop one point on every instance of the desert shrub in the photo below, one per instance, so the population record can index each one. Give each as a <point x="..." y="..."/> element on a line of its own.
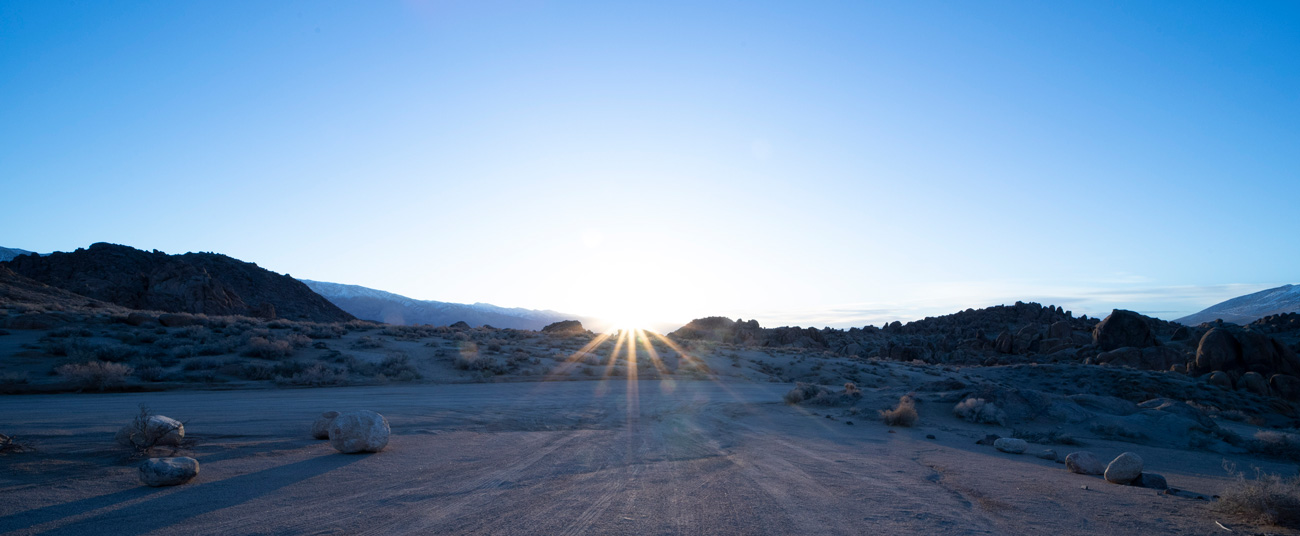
<point x="199" y="333"/>
<point x="13" y="378"/>
<point x="1268" y="498"/>
<point x="820" y="396"/>
<point x="979" y="411"/>
<point x="904" y="414"/>
<point x="150" y="374"/>
<point x="852" y="389"/>
<point x="13" y="445"/>
<point x="63" y="333"/>
<point x="147" y="431"/>
<point x="96" y="375"/>
<point x="367" y="342"/>
<point x="1275" y="444"/>
<point x="267" y="349"/>
<point x="204" y="363"/>
<point x="399" y="367"/>
<point x="318" y="374"/>
<point x="324" y="331"/>
<point x="255" y="371"/>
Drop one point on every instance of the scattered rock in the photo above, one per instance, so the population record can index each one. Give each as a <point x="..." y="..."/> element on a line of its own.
<point x="988" y="439"/>
<point x="1084" y="463"/>
<point x="321" y="428"/>
<point x="1218" y="350"/>
<point x="1221" y="378"/>
<point x="352" y="432"/>
<point x="159" y="431"/>
<point x="1254" y="382"/>
<point x="158" y="472"/>
<point x="1151" y="480"/>
<point x="929" y="436"/>
<point x="1285" y="386"/>
<point x="1047" y="454"/>
<point x="1011" y="445"/>
<point x="1124" y="469"/>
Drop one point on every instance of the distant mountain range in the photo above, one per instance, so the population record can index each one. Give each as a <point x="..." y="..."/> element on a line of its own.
<point x="206" y="283"/>
<point x="7" y="254"/>
<point x="370" y="304"/>
<point x="1249" y="308"/>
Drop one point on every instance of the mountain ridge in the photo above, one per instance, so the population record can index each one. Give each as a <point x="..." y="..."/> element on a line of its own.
<point x="383" y="306"/>
<point x="1249" y="307"/>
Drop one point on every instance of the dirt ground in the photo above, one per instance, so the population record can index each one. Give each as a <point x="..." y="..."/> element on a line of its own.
<point x="594" y="457"/>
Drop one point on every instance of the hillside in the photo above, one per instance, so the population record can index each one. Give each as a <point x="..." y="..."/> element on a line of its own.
<point x="205" y="283"/>
<point x="377" y="305"/>
<point x="1249" y="308"/>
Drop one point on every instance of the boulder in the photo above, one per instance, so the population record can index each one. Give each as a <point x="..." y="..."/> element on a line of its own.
<point x="1046" y="454"/>
<point x="1121" y="357"/>
<point x="1221" y="378"/>
<point x="1059" y="330"/>
<point x="353" y="432"/>
<point x="157" y="431"/>
<point x="321" y="428"/>
<point x="1123" y="328"/>
<point x="1151" y="480"/>
<point x="158" y="472"/>
<point x="1005" y="342"/>
<point x="1084" y="463"/>
<point x="1285" y="386"/>
<point x="1181" y="334"/>
<point x="1253" y="382"/>
<point x="1218" y="350"/>
<point x="1257" y="351"/>
<point x="1011" y="445"/>
<point x="1124" y="469"/>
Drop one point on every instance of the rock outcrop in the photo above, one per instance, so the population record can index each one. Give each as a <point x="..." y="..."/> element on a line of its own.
<point x="1123" y="328"/>
<point x="198" y="283"/>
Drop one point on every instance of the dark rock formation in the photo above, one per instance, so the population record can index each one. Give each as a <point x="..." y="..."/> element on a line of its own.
<point x="198" y="283"/>
<point x="565" y="327"/>
<point x="1123" y="328"/>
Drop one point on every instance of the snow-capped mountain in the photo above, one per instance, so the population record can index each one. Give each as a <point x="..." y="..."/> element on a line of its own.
<point x="7" y="254"/>
<point x="1249" y="308"/>
<point x="370" y="304"/>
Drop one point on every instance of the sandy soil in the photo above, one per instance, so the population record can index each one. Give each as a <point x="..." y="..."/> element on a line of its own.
<point x="595" y="457"/>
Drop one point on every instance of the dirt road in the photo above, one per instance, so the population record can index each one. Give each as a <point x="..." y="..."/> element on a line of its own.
<point x="550" y="458"/>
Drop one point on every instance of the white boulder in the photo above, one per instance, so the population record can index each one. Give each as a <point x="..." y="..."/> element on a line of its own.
<point x="156" y="431"/>
<point x="1124" y="469"/>
<point x="321" y="428"/>
<point x="158" y="472"/>
<point x="359" y="431"/>
<point x="1011" y="445"/>
<point x="1084" y="463"/>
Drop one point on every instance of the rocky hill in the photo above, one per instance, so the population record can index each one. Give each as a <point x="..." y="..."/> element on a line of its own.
<point x="201" y="283"/>
<point x="379" y="306"/>
<point x="1243" y="310"/>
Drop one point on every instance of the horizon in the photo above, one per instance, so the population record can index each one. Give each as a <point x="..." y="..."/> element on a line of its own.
<point x="834" y="165"/>
<point x="610" y="326"/>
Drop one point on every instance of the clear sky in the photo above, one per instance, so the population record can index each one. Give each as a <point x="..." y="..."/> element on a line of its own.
<point x="813" y="163"/>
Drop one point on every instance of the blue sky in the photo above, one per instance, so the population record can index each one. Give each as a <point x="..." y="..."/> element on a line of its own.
<point x="814" y="163"/>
